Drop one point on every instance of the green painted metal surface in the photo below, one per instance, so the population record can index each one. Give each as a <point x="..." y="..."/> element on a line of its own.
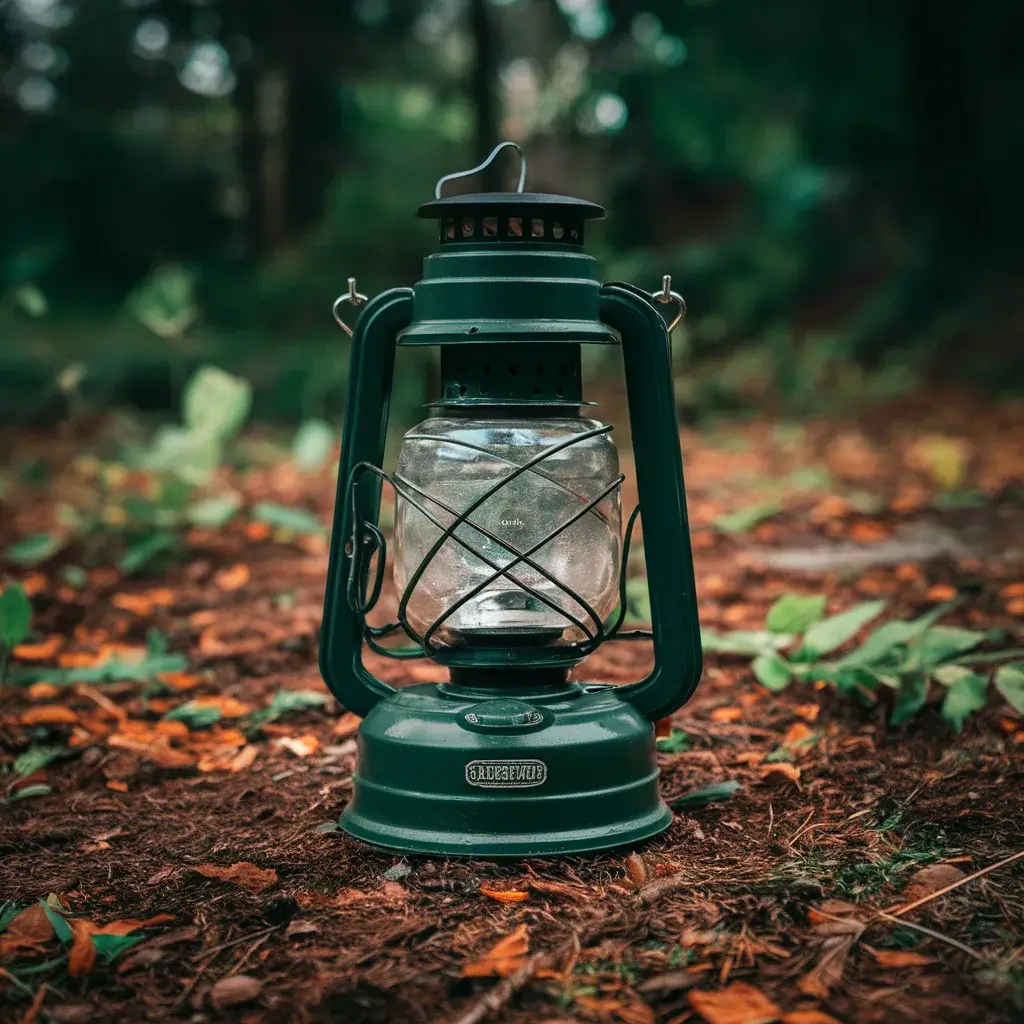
<point x="506" y="760"/>
<point x="582" y="778"/>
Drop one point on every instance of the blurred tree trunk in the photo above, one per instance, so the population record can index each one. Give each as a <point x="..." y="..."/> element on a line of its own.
<point x="483" y="91"/>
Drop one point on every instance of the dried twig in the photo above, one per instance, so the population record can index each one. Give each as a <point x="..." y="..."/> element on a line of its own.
<point x="898" y="911"/>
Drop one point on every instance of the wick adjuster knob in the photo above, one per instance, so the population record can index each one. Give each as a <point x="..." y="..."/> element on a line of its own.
<point x="353" y="297"/>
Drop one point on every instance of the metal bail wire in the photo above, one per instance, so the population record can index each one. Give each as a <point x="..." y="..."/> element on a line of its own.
<point x="352" y="296"/>
<point x="441" y="182"/>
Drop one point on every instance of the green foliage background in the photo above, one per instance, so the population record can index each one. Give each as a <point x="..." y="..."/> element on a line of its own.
<point x="834" y="187"/>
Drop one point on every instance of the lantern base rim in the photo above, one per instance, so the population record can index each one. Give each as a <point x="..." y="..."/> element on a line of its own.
<point x="487" y="774"/>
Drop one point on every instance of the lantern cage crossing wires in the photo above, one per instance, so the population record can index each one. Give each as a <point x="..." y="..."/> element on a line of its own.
<point x="367" y="540"/>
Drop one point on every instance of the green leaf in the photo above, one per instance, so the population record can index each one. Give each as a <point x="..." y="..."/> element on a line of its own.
<point x="8" y="912"/>
<point x="941" y="643"/>
<point x="60" y="927"/>
<point x="190" y="455"/>
<point x="772" y="672"/>
<point x="313" y="444"/>
<point x="675" y="743"/>
<point x="795" y="613"/>
<point x="165" y="301"/>
<point x="213" y="513"/>
<point x="638" y="599"/>
<point x="297" y="519"/>
<point x="30" y="300"/>
<point x="967" y="694"/>
<point x="717" y="791"/>
<point x="285" y="701"/>
<point x="825" y="636"/>
<point x="1010" y="683"/>
<point x="747" y="518"/>
<point x="910" y="698"/>
<point x="883" y="642"/>
<point x="215" y="403"/>
<point x="743" y="642"/>
<point x="35" y="758"/>
<point x="110" y="947"/>
<point x="144" y="551"/>
<point x="35" y="549"/>
<point x="40" y="789"/>
<point x="15" y="615"/>
<point x="195" y="716"/>
<point x="115" y="670"/>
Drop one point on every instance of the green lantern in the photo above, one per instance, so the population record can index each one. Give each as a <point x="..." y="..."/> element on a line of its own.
<point x="508" y="553"/>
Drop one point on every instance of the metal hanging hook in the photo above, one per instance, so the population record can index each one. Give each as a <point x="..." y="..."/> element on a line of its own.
<point x="439" y="187"/>
<point x="667" y="295"/>
<point x="351" y="296"/>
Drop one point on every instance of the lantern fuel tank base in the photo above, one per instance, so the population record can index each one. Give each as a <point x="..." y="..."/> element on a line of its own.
<point x="514" y="774"/>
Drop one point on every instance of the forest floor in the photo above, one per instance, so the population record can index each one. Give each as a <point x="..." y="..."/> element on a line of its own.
<point x="193" y="871"/>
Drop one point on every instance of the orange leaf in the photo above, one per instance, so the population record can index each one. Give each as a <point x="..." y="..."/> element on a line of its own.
<point x="799" y="738"/>
<point x="33" y="584"/>
<point x="117" y="785"/>
<point x="635" y="1013"/>
<point x="234" y="578"/>
<point x="300" y="746"/>
<point x="243" y="873"/>
<point x="244" y="758"/>
<point x="780" y="774"/>
<point x="868" y="532"/>
<point x="738" y="1003"/>
<point x="900" y="958"/>
<point x="44" y="651"/>
<point x="808" y="1017"/>
<point x="940" y="592"/>
<point x="505" y="895"/>
<point x="727" y="714"/>
<point x="1012" y="590"/>
<point x="504" y="957"/>
<point x="42" y="691"/>
<point x="49" y="714"/>
<point x="178" y="680"/>
<point x="808" y="712"/>
<point x="136" y="604"/>
<point x="347" y="725"/>
<point x="82" y="957"/>
<point x="132" y="925"/>
<point x="227" y="706"/>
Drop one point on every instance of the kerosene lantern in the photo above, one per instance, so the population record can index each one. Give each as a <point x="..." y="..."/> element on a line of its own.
<point x="508" y="552"/>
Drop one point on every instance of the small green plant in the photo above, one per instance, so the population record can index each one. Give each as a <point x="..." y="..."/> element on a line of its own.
<point x="15" y="622"/>
<point x="675" y="743"/>
<point x="904" y="657"/>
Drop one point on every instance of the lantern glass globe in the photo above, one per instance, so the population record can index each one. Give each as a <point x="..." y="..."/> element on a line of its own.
<point x="446" y="465"/>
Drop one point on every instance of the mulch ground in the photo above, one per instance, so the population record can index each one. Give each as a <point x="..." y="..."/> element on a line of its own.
<point x="783" y="902"/>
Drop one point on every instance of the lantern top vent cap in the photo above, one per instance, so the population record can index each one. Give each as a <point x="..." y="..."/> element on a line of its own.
<point x="509" y="202"/>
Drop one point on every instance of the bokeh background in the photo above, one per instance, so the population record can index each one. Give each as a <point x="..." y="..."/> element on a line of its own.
<point x="836" y="188"/>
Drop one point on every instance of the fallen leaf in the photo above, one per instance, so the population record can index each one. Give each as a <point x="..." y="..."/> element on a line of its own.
<point x="42" y="691"/>
<point x="227" y="706"/>
<point x="929" y="880"/>
<point x="636" y="870"/>
<point x="26" y="933"/>
<point x="49" y="714"/>
<point x="808" y="712"/>
<point x="940" y="593"/>
<point x="82" y="957"/>
<point x="504" y="957"/>
<point x="808" y="1017"/>
<point x="118" y="786"/>
<point x="244" y="758"/>
<point x="505" y="895"/>
<point x="635" y="1013"/>
<point x="300" y="746"/>
<point x="234" y="578"/>
<point x="671" y="981"/>
<point x="738" y="1003"/>
<point x="347" y="725"/>
<point x="178" y="680"/>
<point x="780" y="773"/>
<point x="243" y="873"/>
<point x="46" y="650"/>
<point x="900" y="958"/>
<point x="234" y="990"/>
<point x="297" y="927"/>
<point x="727" y="714"/>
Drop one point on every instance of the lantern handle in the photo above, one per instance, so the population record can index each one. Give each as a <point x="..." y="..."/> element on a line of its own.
<point x="356" y="298"/>
<point x="665" y="296"/>
<point x="439" y="187"/>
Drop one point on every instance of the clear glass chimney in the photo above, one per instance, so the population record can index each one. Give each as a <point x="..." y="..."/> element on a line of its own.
<point x="445" y="465"/>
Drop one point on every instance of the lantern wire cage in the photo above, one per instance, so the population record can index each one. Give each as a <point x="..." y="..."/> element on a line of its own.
<point x="367" y="540"/>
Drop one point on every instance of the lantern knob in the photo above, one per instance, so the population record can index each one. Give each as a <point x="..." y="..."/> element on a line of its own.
<point x="439" y="187"/>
